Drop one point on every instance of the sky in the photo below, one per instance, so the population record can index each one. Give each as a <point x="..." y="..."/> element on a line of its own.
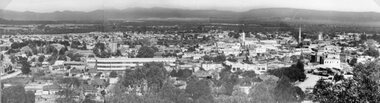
<point x="230" y="5"/>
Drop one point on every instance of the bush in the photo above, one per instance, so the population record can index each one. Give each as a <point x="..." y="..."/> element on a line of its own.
<point x="294" y="73"/>
<point x="113" y="74"/>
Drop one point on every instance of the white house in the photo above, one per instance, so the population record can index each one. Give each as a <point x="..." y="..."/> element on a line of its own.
<point x="332" y="63"/>
<point x="231" y="51"/>
<point x="331" y="49"/>
<point x="258" y="68"/>
<point x="208" y="67"/>
<point x="363" y="59"/>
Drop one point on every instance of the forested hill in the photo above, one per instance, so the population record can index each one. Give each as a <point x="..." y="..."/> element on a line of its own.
<point x="267" y="14"/>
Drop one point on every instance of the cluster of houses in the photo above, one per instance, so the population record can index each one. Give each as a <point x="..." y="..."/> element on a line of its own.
<point x="246" y="53"/>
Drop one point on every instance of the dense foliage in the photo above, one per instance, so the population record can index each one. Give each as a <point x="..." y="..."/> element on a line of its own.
<point x="153" y="73"/>
<point x="372" y="52"/>
<point x="146" y="52"/>
<point x="363" y="88"/>
<point x="101" y="51"/>
<point x="16" y="94"/>
<point x="294" y="73"/>
<point x="25" y="69"/>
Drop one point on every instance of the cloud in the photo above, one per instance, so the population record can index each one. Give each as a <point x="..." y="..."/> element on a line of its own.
<point x="4" y="3"/>
<point x="377" y="2"/>
<point x="233" y="5"/>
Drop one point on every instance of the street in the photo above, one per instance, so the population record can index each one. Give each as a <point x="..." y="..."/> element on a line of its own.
<point x="17" y="72"/>
<point x="309" y="82"/>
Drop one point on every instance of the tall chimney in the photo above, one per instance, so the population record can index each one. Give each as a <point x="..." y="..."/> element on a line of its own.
<point x="299" y="35"/>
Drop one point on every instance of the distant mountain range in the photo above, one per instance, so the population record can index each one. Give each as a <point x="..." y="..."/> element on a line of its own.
<point x="267" y="14"/>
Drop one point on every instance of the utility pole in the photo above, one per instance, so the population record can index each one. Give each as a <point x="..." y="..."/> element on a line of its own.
<point x="1" y="92"/>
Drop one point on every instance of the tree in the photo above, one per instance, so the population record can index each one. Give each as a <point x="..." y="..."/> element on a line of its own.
<point x="62" y="51"/>
<point x="169" y="92"/>
<point x="229" y="80"/>
<point x="232" y="59"/>
<point x="263" y="92"/>
<point x="1" y="57"/>
<point x="353" y="62"/>
<point x="363" y="88"/>
<point x="113" y="74"/>
<point x="237" y="97"/>
<point x="105" y="54"/>
<point x="220" y="58"/>
<point x="371" y="43"/>
<point x="294" y="58"/>
<point x="234" y="35"/>
<point x="207" y="58"/>
<point x="130" y="98"/>
<point x="118" y="95"/>
<point x="69" y="91"/>
<point x="145" y="42"/>
<point x="100" y="51"/>
<point x="84" y="46"/>
<point x="69" y="82"/>
<point x="295" y="72"/>
<point x="205" y="99"/>
<point x="13" y="58"/>
<point x="133" y="77"/>
<point x="373" y="52"/>
<point x="52" y="59"/>
<point x="345" y="92"/>
<point x="249" y="74"/>
<point x="11" y="51"/>
<point x="87" y="100"/>
<point x="50" y="49"/>
<point x="74" y="56"/>
<point x="146" y="52"/>
<point x="191" y="49"/>
<point x="154" y="73"/>
<point x="25" y="69"/>
<point x="66" y="95"/>
<point x="66" y="37"/>
<point x="30" y="97"/>
<point x="118" y="53"/>
<point x="41" y="58"/>
<point x="197" y="89"/>
<point x="29" y="53"/>
<point x="182" y="73"/>
<point x="62" y="57"/>
<point x="75" y="44"/>
<point x="286" y="92"/>
<point x="15" y="46"/>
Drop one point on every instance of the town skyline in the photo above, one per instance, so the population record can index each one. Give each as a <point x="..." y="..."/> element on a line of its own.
<point x="189" y="51"/>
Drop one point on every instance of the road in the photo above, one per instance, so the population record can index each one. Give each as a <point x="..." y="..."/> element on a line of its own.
<point x="309" y="82"/>
<point x="17" y="72"/>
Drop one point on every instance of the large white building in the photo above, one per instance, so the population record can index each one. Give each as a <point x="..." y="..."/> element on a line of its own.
<point x="120" y="64"/>
<point x="332" y="63"/>
<point x="258" y="68"/>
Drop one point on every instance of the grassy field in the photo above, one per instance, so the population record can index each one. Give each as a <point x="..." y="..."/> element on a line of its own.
<point x="17" y="80"/>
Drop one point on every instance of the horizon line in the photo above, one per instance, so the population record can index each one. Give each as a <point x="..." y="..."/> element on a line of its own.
<point x="194" y="10"/>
